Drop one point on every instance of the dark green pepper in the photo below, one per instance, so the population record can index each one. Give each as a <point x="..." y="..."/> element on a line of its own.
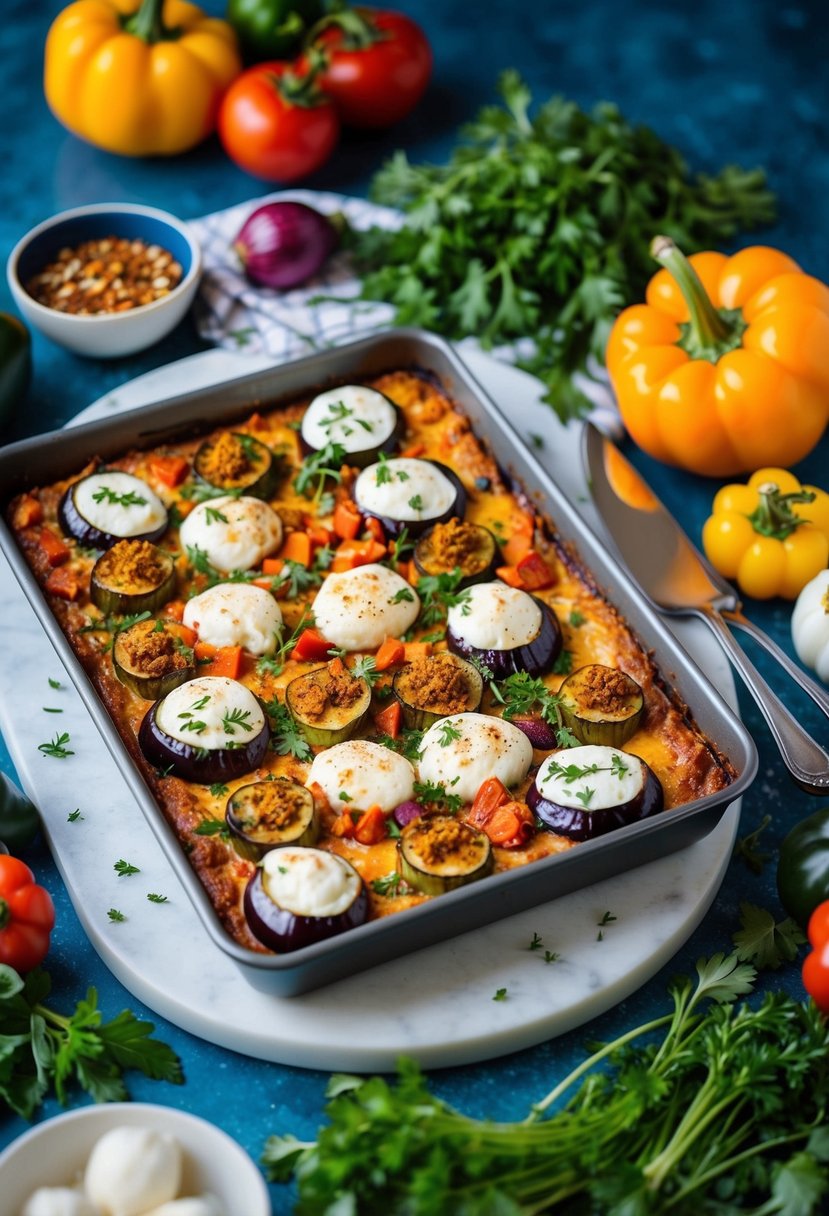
<point x="15" y="364"/>
<point x="272" y="29"/>
<point x="19" y="820"/>
<point x="803" y="868"/>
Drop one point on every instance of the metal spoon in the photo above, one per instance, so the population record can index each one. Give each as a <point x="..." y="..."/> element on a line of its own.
<point x="678" y="580"/>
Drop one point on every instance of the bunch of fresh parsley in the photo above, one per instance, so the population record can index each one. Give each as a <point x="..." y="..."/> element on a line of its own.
<point x="714" y="1107"/>
<point x="541" y="227"/>
<point x="41" y="1048"/>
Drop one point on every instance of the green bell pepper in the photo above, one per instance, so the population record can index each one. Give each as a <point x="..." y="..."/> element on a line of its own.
<point x="15" y="364"/>
<point x="272" y="29"/>
<point x="803" y="867"/>
<point x="19" y="820"/>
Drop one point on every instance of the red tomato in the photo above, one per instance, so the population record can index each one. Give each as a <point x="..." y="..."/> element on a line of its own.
<point x="818" y="927"/>
<point x="27" y="916"/>
<point x="379" y="66"/>
<point x="816" y="976"/>
<point x="276" y="124"/>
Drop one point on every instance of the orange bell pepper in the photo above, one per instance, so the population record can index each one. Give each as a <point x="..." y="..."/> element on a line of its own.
<point x="726" y="367"/>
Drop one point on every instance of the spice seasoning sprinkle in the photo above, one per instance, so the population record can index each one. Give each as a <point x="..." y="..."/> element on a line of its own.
<point x="107" y="275"/>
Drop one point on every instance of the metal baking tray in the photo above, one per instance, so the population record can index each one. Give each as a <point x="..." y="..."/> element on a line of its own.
<point x="51" y="457"/>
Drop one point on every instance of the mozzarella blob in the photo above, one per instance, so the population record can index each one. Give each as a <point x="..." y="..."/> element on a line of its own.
<point x="131" y="1170"/>
<point x="484" y="747"/>
<point x="354" y="416"/>
<point x="358" y="609"/>
<point x="405" y="488"/>
<point x="367" y="773"/>
<point x="198" y="1205"/>
<point x="613" y="782"/>
<point x="58" y="1201"/>
<point x="309" y="882"/>
<point x="233" y="533"/>
<point x="494" y="616"/>
<point x="119" y="504"/>
<point x="211" y="711"/>
<point x="235" y="614"/>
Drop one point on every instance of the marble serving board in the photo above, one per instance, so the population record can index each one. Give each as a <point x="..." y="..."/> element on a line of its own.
<point x="434" y="1005"/>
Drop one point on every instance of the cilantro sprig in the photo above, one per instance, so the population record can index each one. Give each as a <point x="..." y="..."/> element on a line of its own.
<point x="45" y="1050"/>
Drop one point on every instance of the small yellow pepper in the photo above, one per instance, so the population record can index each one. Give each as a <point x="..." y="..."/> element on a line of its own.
<point x="771" y="536"/>
<point x="726" y="367"/>
<point x="132" y="79"/>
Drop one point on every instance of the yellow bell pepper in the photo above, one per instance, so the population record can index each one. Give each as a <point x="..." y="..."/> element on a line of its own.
<point x="131" y="79"/>
<point x="771" y="535"/>
<point x="726" y="367"/>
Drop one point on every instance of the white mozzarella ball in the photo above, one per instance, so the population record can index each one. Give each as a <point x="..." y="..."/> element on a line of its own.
<point x="235" y="614"/>
<point x="233" y="533"/>
<point x="462" y="751"/>
<point x="59" y="1201"/>
<point x="368" y="773"/>
<point x="405" y="489"/>
<point x="119" y="503"/>
<point x="133" y="1169"/>
<point x="609" y="777"/>
<point x="211" y="712"/>
<point x="494" y="616"/>
<point x="358" y="608"/>
<point x="309" y="882"/>
<point x="354" y="416"/>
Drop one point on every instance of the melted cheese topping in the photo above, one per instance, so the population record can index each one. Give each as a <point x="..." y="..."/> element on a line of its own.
<point x="119" y="503"/>
<point x="212" y="712"/>
<point x="359" y="608"/>
<point x="494" y="616"/>
<point x="614" y="778"/>
<point x="309" y="882"/>
<point x="354" y="416"/>
<point x="462" y="751"/>
<point x="368" y="773"/>
<point x="235" y="614"/>
<point x="406" y="489"/>
<point x="234" y="533"/>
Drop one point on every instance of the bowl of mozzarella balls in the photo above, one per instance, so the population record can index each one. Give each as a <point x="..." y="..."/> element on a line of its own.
<point x="129" y="1159"/>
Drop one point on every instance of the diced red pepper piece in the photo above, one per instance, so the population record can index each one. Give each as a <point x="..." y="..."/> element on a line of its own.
<point x="64" y="583"/>
<point x="169" y="470"/>
<point x="371" y="828"/>
<point x="388" y="720"/>
<point x="54" y="549"/>
<point x="311" y="647"/>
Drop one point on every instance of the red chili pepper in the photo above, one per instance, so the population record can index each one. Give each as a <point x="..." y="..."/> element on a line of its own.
<point x="816" y="964"/>
<point x="27" y="916"/>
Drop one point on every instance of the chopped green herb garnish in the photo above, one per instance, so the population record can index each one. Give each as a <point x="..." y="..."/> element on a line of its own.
<point x="123" y="869"/>
<point x="115" y="915"/>
<point x="57" y="747"/>
<point x="156" y="899"/>
<point x="500" y="995"/>
<point x="75" y="815"/>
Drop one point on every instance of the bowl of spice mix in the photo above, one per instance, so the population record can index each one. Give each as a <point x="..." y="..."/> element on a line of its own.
<point x="105" y="280"/>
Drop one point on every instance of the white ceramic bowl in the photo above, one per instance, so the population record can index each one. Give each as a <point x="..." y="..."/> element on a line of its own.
<point x="55" y="1153"/>
<point x="106" y="335"/>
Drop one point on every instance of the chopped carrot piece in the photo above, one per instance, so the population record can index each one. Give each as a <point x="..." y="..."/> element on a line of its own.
<point x="371" y="826"/>
<point x="491" y="794"/>
<point x="416" y="650"/>
<point x="510" y="576"/>
<point x="64" y="583"/>
<point x="27" y="512"/>
<point x="256" y="422"/>
<point x="353" y="553"/>
<point x="169" y="470"/>
<point x="521" y="531"/>
<point x="389" y="719"/>
<point x="414" y="450"/>
<point x="337" y="667"/>
<point x="55" y="551"/>
<point x="343" y="825"/>
<point x="391" y="651"/>
<point x="188" y="636"/>
<point x="297" y="548"/>
<point x="174" y="611"/>
<point x="272" y="565"/>
<point x="534" y="572"/>
<point x="222" y="660"/>
<point x="184" y="506"/>
<point x="311" y="647"/>
<point x="320" y="537"/>
<point x="376" y="529"/>
<point x="510" y="825"/>
<point x="347" y="520"/>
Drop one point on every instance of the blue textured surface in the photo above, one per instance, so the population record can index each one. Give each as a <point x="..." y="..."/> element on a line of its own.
<point x="740" y="82"/>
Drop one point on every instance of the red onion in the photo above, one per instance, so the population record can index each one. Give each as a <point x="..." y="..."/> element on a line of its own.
<point x="406" y="812"/>
<point x="281" y="245"/>
<point x="539" y="732"/>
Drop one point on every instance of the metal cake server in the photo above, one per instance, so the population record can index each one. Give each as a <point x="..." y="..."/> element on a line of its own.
<point x="678" y="580"/>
